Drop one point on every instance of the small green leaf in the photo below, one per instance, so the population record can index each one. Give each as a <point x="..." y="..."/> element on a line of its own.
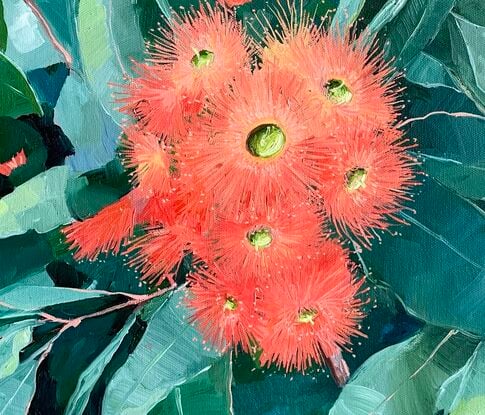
<point x="13" y="338"/>
<point x="170" y="353"/>
<point x="475" y="406"/>
<point x="429" y="72"/>
<point x="16" y="95"/>
<point x="3" y="30"/>
<point x="38" y="204"/>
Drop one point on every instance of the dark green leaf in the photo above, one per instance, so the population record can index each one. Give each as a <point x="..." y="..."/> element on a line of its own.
<point x="3" y="30"/>
<point x="436" y="263"/>
<point x="16" y="96"/>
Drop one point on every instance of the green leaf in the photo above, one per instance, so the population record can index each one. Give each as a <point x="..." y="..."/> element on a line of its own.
<point x="13" y="338"/>
<point x="33" y="298"/>
<point x="37" y="204"/>
<point x="405" y="378"/>
<point x="3" y="30"/>
<point x="464" y="392"/>
<point x="169" y="354"/>
<point x="87" y="380"/>
<point x="164" y="7"/>
<point x="109" y="37"/>
<point x="17" y="97"/>
<point x="408" y="26"/>
<point x="211" y="390"/>
<point x="436" y="263"/>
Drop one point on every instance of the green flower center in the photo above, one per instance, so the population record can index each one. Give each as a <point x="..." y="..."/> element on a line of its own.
<point x="337" y="92"/>
<point x="202" y="58"/>
<point x="230" y="304"/>
<point x="355" y="179"/>
<point x="266" y="141"/>
<point x="260" y="238"/>
<point x="307" y="316"/>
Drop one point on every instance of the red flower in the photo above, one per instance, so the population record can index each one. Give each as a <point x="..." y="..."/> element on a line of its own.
<point x="194" y="57"/>
<point x="346" y="78"/>
<point x="232" y="3"/>
<point x="368" y="179"/>
<point x="16" y="161"/>
<point x="266" y="243"/>
<point x="257" y="150"/>
<point x="310" y="312"/>
<point x="149" y="156"/>
<point x="223" y="304"/>
<point x="108" y="230"/>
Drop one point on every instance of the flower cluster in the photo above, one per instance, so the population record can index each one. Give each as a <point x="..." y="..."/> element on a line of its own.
<point x="260" y="160"/>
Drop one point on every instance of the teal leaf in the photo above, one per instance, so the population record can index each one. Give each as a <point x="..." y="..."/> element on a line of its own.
<point x="346" y="14"/>
<point x="13" y="338"/>
<point x="28" y="45"/>
<point x="407" y="27"/>
<point x="450" y="147"/>
<point x="405" y="378"/>
<point x="433" y="286"/>
<point x="90" y="128"/>
<point x="468" y="56"/>
<point x="37" y="204"/>
<point x="88" y="379"/>
<point x="211" y="390"/>
<point x="109" y="36"/>
<point x="34" y="298"/>
<point x="465" y="390"/>
<point x="429" y="72"/>
<point x="170" y="353"/>
<point x="17" y="96"/>
<point x="3" y="30"/>
<point x="17" y="390"/>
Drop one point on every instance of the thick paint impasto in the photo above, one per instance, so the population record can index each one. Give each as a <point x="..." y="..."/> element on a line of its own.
<point x="242" y="207"/>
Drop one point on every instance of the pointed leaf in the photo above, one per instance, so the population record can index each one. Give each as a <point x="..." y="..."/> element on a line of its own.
<point x="3" y="30"/>
<point x="17" y="97"/>
<point x="13" y="338"/>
